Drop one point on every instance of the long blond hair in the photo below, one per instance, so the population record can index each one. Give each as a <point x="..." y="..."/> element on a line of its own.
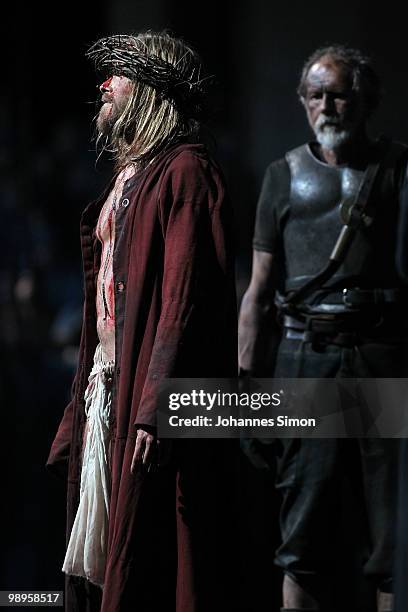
<point x="162" y="108"/>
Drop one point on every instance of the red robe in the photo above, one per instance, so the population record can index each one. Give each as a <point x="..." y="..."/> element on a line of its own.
<point x="175" y="315"/>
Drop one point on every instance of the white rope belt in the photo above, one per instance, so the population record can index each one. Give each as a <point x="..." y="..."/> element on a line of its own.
<point x="86" y="551"/>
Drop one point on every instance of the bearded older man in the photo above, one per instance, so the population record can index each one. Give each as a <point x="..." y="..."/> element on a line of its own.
<point x="159" y="302"/>
<point x="343" y="310"/>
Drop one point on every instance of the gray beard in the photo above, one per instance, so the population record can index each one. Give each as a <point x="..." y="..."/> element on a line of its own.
<point x="330" y="134"/>
<point x="330" y="138"/>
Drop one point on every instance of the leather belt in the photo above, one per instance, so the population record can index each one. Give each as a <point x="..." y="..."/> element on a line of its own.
<point x="320" y="325"/>
<point x="348" y="302"/>
<point x="373" y="297"/>
<point x="346" y="331"/>
<point x="324" y="325"/>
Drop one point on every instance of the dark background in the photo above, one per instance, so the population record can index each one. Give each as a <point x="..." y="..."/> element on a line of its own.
<point x="256" y="49"/>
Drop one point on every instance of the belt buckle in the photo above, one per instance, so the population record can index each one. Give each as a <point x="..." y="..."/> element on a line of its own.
<point x="294" y="334"/>
<point x="346" y="299"/>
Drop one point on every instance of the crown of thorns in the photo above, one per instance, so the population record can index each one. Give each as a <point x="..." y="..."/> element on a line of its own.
<point x="119" y="55"/>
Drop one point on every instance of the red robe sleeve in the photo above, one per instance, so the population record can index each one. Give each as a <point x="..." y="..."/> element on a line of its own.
<point x="191" y="202"/>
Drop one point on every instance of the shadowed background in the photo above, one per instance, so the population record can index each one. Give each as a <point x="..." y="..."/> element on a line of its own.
<point x="256" y="50"/>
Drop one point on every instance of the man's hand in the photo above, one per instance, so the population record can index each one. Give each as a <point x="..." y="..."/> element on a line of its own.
<point x="145" y="452"/>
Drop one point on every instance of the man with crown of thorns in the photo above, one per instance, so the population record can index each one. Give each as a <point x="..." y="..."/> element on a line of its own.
<point x="142" y="532"/>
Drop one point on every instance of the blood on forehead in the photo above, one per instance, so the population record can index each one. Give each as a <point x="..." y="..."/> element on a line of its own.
<point x="106" y="83"/>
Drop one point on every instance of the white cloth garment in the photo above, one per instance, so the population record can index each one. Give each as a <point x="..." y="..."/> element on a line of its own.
<point x="86" y="551"/>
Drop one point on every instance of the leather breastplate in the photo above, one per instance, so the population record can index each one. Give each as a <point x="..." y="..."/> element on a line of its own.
<point x="313" y="224"/>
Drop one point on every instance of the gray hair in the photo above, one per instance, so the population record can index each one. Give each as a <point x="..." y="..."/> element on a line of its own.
<point x="364" y="78"/>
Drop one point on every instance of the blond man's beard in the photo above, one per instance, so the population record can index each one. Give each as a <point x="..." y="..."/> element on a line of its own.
<point x="105" y="119"/>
